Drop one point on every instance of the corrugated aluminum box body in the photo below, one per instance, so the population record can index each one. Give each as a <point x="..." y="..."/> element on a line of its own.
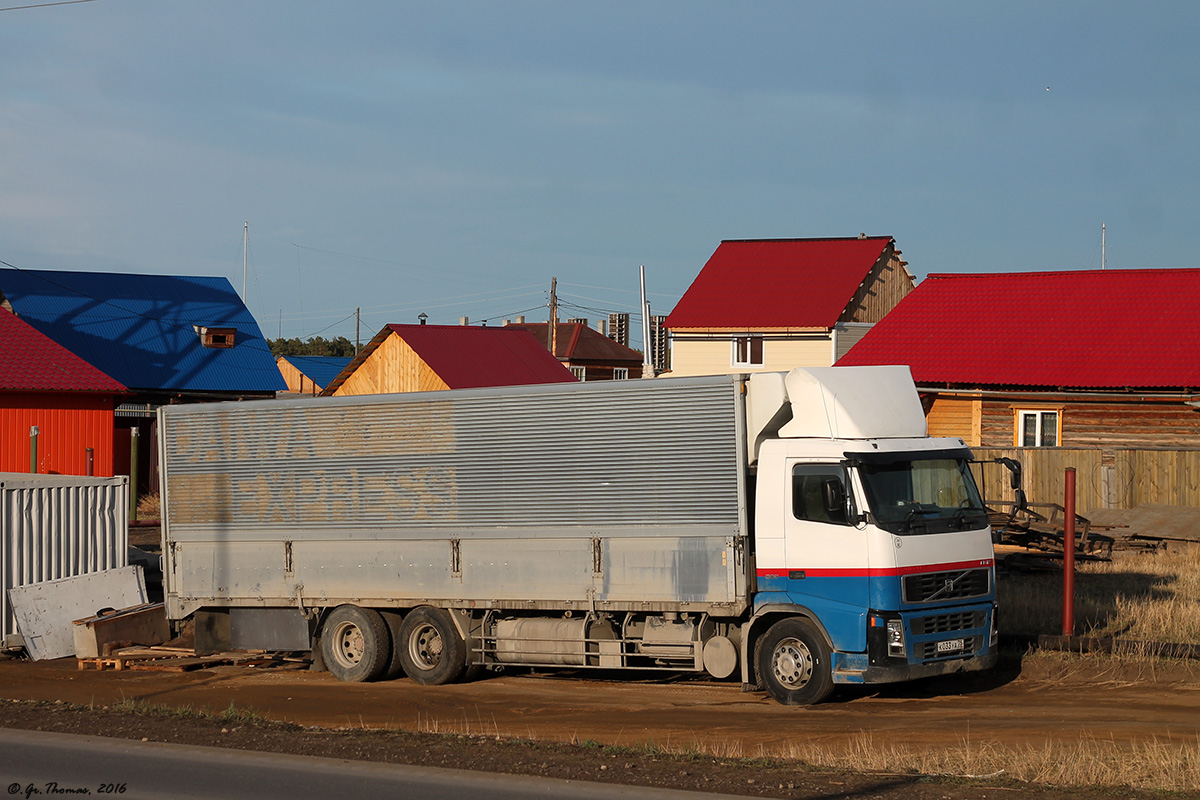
<point x="622" y="495"/>
<point x="58" y="526"/>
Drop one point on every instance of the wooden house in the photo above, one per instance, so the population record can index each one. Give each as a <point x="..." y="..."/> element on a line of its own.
<point x="775" y="304"/>
<point x="56" y="410"/>
<point x="586" y="352"/>
<point x="1103" y="363"/>
<point x="308" y="375"/>
<point x="423" y="358"/>
<point x="1051" y="359"/>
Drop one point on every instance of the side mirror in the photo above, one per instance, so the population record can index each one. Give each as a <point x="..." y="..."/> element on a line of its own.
<point x="834" y="495"/>
<point x="1014" y="469"/>
<point x="1022" y="503"/>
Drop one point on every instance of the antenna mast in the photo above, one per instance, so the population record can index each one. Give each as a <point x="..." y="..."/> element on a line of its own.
<point x="1103" y="258"/>
<point x="245" y="247"/>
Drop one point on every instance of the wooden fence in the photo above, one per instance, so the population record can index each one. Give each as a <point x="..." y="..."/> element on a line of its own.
<point x="1103" y="478"/>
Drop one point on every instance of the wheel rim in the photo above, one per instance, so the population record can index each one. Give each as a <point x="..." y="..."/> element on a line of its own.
<point x="348" y="644"/>
<point x="792" y="663"/>
<point x="425" y="647"/>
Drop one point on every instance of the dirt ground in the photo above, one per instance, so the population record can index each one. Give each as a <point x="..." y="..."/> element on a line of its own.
<point x="559" y="724"/>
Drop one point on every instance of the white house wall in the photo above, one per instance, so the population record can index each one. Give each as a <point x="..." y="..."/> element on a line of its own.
<point x="715" y="357"/>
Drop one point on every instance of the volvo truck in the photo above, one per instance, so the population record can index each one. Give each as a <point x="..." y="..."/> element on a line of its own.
<point x="793" y="531"/>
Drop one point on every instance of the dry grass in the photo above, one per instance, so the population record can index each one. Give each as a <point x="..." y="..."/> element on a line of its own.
<point x="1153" y="597"/>
<point x="1159" y="765"/>
<point x="148" y="507"/>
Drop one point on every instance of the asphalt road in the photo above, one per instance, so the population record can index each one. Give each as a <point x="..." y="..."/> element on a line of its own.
<point x="45" y="765"/>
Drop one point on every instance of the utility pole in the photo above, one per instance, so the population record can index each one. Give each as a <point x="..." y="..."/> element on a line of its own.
<point x="357" y="320"/>
<point x="647" y="361"/>
<point x="553" y="333"/>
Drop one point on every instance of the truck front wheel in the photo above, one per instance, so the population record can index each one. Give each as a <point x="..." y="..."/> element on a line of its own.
<point x="431" y="650"/>
<point x="355" y="644"/>
<point x="793" y="663"/>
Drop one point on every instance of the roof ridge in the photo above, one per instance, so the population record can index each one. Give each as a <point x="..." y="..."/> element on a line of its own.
<point x="813" y="239"/>
<point x="1062" y="272"/>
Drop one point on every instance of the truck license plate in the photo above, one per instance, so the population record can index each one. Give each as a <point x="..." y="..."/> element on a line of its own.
<point x="950" y="646"/>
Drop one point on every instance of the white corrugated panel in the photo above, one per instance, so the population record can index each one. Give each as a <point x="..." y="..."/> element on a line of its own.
<point x="619" y="453"/>
<point x="59" y="526"/>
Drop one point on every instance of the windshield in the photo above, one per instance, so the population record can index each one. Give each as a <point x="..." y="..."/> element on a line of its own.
<point x="922" y="495"/>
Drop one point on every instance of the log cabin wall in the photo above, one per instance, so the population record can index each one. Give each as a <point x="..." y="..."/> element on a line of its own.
<point x="393" y="367"/>
<point x="958" y="417"/>
<point x="886" y="285"/>
<point x="1098" y="423"/>
<point x="296" y="380"/>
<point x="1125" y="453"/>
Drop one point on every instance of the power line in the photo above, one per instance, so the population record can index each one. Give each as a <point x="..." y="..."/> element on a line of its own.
<point x="437" y="302"/>
<point x="622" y="291"/>
<point x="43" y="5"/>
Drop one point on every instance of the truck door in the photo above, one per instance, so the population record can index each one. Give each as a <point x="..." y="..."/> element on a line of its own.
<point x="825" y="552"/>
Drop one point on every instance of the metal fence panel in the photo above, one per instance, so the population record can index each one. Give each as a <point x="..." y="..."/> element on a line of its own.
<point x="58" y="526"/>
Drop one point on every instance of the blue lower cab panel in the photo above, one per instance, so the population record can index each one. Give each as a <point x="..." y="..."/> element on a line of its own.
<point x="937" y="641"/>
<point x="954" y="630"/>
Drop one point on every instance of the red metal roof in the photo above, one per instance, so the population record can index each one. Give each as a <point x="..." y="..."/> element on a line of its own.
<point x="469" y="357"/>
<point x="32" y="362"/>
<point x="777" y="283"/>
<point x="577" y="342"/>
<point x="1092" y="329"/>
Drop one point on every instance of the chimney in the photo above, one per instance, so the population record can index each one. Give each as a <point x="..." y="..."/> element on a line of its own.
<point x="464" y="320"/>
<point x="521" y="320"/>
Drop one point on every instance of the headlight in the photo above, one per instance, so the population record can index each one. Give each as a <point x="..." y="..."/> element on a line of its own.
<point x="895" y="637"/>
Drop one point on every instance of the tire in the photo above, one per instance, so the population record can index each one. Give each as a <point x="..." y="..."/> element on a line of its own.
<point x="395" y="668"/>
<point x="431" y="650"/>
<point x="355" y="644"/>
<point x="793" y="663"/>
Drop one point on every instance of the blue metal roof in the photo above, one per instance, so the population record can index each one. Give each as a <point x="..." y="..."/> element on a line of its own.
<point x="319" y="369"/>
<point x="141" y="329"/>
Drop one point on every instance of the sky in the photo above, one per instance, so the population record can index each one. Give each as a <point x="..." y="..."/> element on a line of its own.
<point x="451" y="158"/>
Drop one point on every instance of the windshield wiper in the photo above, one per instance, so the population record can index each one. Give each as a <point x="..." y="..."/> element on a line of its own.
<point x="918" y="510"/>
<point x="960" y="514"/>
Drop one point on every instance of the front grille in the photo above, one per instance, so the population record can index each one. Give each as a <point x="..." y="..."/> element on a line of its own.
<point x="947" y="623"/>
<point x="927" y="651"/>
<point x="931" y="587"/>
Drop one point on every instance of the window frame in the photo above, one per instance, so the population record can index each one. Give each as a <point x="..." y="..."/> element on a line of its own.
<point x="817" y="469"/>
<point x="216" y="338"/>
<point x="1020" y="415"/>
<point x="743" y="351"/>
<point x="580" y="373"/>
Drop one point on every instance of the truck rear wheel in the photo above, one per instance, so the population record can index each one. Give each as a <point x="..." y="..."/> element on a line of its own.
<point x="793" y="663"/>
<point x="394" y="669"/>
<point x="355" y="644"/>
<point x="431" y="650"/>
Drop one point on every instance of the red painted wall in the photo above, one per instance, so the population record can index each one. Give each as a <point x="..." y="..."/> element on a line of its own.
<point x="67" y="424"/>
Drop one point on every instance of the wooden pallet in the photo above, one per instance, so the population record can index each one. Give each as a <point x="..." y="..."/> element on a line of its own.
<point x="165" y="659"/>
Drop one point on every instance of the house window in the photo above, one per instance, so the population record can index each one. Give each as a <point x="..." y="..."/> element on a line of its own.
<point x="216" y="337"/>
<point x="748" y="351"/>
<point x="1039" y="428"/>
<point x="620" y="373"/>
<point x="580" y="373"/>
